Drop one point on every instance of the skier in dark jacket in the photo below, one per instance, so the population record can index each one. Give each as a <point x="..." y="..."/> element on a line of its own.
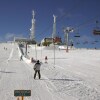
<point x="46" y="59"/>
<point x="37" y="69"/>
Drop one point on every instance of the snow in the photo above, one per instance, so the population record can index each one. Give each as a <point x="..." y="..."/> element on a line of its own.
<point x="73" y="76"/>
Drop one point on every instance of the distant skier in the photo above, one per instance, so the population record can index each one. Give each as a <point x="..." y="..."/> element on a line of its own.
<point x="33" y="60"/>
<point x="46" y="59"/>
<point x="18" y="98"/>
<point x="72" y="45"/>
<point x="37" y="69"/>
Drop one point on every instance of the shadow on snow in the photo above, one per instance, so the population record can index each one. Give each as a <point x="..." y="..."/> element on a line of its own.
<point x="6" y="72"/>
<point x="60" y="79"/>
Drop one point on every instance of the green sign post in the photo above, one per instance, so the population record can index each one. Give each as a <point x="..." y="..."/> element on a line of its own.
<point x="22" y="93"/>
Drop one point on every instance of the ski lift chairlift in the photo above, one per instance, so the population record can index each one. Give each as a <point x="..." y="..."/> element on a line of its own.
<point x="96" y="30"/>
<point x="96" y="41"/>
<point x="77" y="35"/>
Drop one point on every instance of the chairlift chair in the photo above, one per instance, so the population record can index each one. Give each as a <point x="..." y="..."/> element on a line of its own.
<point x="77" y="35"/>
<point x="96" y="30"/>
<point x="96" y="41"/>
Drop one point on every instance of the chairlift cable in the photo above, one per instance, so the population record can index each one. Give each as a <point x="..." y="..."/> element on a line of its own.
<point x="50" y="26"/>
<point x="78" y="27"/>
<point x="86" y="22"/>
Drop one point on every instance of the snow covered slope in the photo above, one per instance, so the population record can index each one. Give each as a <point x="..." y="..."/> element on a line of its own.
<point x="75" y="75"/>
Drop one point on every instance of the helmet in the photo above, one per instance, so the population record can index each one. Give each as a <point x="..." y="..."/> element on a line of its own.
<point x="38" y="61"/>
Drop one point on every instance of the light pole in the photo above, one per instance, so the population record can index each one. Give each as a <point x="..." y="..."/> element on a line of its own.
<point x="35" y="52"/>
<point x="54" y="49"/>
<point x="26" y="49"/>
<point x="41" y="51"/>
<point x="67" y="30"/>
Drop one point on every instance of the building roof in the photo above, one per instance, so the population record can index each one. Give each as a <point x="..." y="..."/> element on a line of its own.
<point x="29" y="41"/>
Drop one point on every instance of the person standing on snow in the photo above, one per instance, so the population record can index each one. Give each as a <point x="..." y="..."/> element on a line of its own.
<point x="46" y="59"/>
<point x="37" y="69"/>
<point x="33" y="60"/>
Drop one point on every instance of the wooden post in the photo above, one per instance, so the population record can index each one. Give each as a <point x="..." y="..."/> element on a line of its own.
<point x="26" y="50"/>
<point x="22" y="97"/>
<point x="18" y="98"/>
<point x="67" y="41"/>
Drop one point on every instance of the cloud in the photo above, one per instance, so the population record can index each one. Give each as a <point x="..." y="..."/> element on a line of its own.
<point x="67" y="14"/>
<point x="1" y="39"/>
<point x="61" y="11"/>
<point x="64" y="13"/>
<point x="10" y="36"/>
